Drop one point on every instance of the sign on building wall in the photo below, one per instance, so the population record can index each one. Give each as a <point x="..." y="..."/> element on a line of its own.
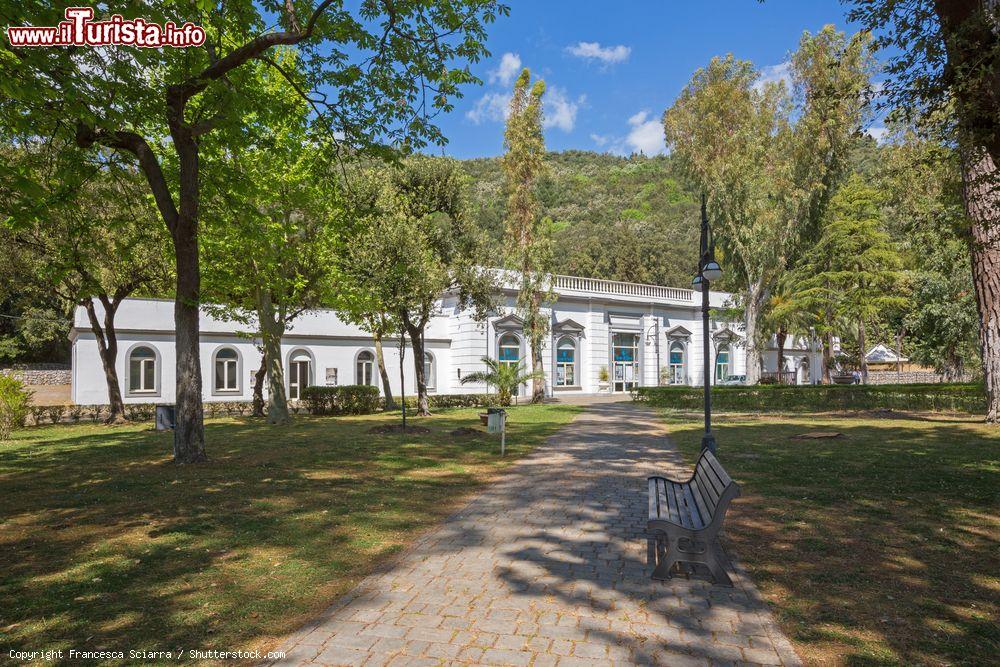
<point x="331" y="377"/>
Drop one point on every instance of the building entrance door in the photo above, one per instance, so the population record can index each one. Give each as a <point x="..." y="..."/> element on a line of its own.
<point x="625" y="356"/>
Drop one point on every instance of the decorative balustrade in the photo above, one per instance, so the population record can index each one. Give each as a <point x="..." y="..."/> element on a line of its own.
<point x="622" y="288"/>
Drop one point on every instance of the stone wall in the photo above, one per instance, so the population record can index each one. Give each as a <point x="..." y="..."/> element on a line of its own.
<point x="38" y="374"/>
<point x="909" y="377"/>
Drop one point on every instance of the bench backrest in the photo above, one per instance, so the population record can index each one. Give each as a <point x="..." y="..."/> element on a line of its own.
<point x="712" y="487"/>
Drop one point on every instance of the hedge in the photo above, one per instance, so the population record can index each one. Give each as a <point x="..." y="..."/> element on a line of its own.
<point x="969" y="398"/>
<point x="455" y="400"/>
<point x="350" y="399"/>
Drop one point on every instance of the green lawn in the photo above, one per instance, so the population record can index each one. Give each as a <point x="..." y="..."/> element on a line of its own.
<point x="105" y="543"/>
<point x="878" y="548"/>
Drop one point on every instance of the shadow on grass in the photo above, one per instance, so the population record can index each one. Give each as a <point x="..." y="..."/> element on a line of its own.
<point x="877" y="548"/>
<point x="105" y="543"/>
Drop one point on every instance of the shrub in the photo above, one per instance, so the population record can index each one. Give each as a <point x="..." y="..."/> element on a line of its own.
<point x="55" y="413"/>
<point x="140" y="412"/>
<point x="74" y="412"/>
<point x="15" y="405"/>
<point x="457" y="401"/>
<point x="351" y="399"/>
<point x="38" y="413"/>
<point x="969" y="398"/>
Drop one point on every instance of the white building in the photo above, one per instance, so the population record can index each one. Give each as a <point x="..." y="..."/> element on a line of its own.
<point x="635" y="335"/>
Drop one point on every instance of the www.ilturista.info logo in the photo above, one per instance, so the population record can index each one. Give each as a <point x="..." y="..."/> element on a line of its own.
<point x="79" y="29"/>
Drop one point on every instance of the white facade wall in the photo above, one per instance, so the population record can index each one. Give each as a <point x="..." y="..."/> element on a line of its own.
<point x="589" y="311"/>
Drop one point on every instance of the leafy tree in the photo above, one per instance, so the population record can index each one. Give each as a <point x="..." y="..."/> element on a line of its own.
<point x="92" y="237"/>
<point x="733" y="140"/>
<point x="409" y="243"/>
<point x="769" y="161"/>
<point x="272" y="254"/>
<point x="921" y="181"/>
<point x="854" y="267"/>
<point x="944" y="74"/>
<point x="505" y="377"/>
<point x="373" y="74"/>
<point x="529" y="235"/>
<point x="618" y="218"/>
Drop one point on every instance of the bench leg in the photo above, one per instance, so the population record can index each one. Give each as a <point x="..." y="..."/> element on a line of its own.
<point x="666" y="558"/>
<point x="670" y="551"/>
<point x="717" y="566"/>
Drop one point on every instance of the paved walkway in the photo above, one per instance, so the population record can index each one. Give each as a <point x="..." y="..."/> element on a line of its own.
<point x="548" y="566"/>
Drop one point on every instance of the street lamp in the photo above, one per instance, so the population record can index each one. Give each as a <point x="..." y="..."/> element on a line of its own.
<point x="708" y="270"/>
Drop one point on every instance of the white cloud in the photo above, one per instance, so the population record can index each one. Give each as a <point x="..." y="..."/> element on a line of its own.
<point x="609" y="55"/>
<point x="560" y="111"/>
<point x="774" y="74"/>
<point x="510" y="67"/>
<point x="600" y="139"/>
<point x="877" y="133"/>
<point x="646" y="136"/>
<point x="490" y="107"/>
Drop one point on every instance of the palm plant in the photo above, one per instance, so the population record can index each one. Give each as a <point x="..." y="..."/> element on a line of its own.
<point x="504" y="376"/>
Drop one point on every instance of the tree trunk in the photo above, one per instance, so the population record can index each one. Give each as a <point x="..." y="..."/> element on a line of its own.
<point x="755" y="299"/>
<point x="982" y="204"/>
<point x="189" y="430"/>
<point x="970" y="34"/>
<point x="537" y="366"/>
<point x="828" y="358"/>
<point x="258" y="386"/>
<point x="383" y="373"/>
<point x="417" y="343"/>
<point x="107" y="346"/>
<point x="861" y="350"/>
<point x="780" y="337"/>
<point x="272" y="328"/>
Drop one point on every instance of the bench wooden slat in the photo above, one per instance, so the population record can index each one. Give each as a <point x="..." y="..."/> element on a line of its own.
<point x="713" y="477"/>
<point x="692" y="509"/>
<point x="684" y="516"/>
<point x="699" y="498"/>
<point x="708" y="486"/>
<point x="665" y="509"/>
<point x="718" y="469"/>
<point x="675" y="510"/>
<point x="654" y="509"/>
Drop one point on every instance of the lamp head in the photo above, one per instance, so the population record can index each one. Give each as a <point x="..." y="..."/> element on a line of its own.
<point x="698" y="284"/>
<point x="712" y="270"/>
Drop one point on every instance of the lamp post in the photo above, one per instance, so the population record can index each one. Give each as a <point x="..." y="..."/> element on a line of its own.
<point x="708" y="270"/>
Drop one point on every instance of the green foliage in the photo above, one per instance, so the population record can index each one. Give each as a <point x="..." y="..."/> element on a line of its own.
<point x="15" y="405"/>
<point x="921" y="183"/>
<point x="854" y="270"/>
<point x="458" y="401"/>
<point x="408" y="242"/>
<point x="618" y="218"/>
<point x="506" y="377"/>
<point x="969" y="398"/>
<point x="351" y="399"/>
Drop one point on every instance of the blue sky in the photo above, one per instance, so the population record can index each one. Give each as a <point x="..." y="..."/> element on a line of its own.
<point x="611" y="68"/>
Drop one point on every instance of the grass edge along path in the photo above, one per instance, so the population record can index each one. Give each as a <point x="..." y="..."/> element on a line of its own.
<point x="104" y="544"/>
<point x="881" y="547"/>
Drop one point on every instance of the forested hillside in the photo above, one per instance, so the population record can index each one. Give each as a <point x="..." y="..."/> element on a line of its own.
<point x="622" y="218"/>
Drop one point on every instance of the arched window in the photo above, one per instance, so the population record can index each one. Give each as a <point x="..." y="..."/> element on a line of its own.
<point x="429" y="371"/>
<point x="722" y="363"/>
<point x="677" y="363"/>
<point x="227" y="370"/>
<point x="299" y="373"/>
<point x="142" y="370"/>
<point x="510" y="349"/>
<point x="566" y="362"/>
<point x="364" y="368"/>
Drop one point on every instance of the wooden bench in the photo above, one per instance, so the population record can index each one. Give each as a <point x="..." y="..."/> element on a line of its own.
<point x="685" y="518"/>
